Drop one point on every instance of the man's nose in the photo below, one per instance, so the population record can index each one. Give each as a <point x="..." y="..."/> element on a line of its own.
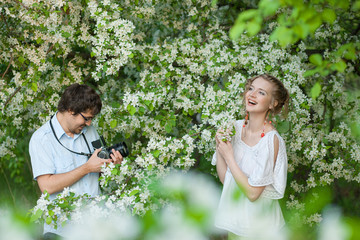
<point x="88" y="123"/>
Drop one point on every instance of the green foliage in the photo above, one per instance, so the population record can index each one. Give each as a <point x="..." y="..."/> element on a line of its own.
<point x="169" y="76"/>
<point x="297" y="20"/>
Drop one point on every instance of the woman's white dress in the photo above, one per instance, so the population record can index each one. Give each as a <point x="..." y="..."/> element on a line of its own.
<point x="236" y="213"/>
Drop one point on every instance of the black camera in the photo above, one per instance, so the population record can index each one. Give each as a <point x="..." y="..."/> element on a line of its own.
<point x="107" y="151"/>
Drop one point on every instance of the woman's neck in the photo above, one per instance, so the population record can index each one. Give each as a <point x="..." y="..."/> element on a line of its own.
<point x="256" y="122"/>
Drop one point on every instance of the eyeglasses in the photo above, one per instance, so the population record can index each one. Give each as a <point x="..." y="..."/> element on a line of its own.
<point x="87" y="119"/>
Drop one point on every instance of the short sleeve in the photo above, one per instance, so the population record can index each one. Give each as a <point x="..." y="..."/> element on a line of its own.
<point x="213" y="160"/>
<point x="40" y="156"/>
<point x="263" y="165"/>
<point x="280" y="172"/>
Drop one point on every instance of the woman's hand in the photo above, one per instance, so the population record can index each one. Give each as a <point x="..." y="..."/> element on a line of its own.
<point x="225" y="149"/>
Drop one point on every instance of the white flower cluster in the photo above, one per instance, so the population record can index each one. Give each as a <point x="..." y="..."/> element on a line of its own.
<point x="169" y="76"/>
<point x="112" y="42"/>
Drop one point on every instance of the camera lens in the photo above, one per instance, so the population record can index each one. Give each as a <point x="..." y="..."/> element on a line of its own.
<point x="103" y="154"/>
<point x="121" y="147"/>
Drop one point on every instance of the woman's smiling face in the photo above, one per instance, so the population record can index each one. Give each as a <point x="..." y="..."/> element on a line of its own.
<point x="259" y="97"/>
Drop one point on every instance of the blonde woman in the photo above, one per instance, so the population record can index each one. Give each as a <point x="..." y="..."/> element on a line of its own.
<point x="255" y="162"/>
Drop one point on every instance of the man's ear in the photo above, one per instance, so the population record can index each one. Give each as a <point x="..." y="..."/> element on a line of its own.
<point x="70" y="112"/>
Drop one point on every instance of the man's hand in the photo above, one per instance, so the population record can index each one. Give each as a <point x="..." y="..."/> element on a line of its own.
<point x="95" y="163"/>
<point x="116" y="157"/>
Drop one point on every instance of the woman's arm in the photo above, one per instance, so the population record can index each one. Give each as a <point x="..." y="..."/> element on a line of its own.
<point x="226" y="151"/>
<point x="221" y="165"/>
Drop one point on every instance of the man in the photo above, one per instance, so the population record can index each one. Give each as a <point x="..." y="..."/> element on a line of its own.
<point x="60" y="152"/>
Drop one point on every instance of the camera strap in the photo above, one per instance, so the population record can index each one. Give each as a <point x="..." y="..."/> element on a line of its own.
<point x="78" y="153"/>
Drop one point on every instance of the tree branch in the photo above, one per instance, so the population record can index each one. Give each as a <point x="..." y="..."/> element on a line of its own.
<point x="11" y="96"/>
<point x="22" y="4"/>
<point x="8" y="67"/>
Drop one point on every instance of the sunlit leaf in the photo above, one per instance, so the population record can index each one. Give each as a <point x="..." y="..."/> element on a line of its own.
<point x="329" y="15"/>
<point x="253" y="27"/>
<point x="283" y="35"/>
<point x="269" y="7"/>
<point x="131" y="109"/>
<point x="316" y="59"/>
<point x="237" y="30"/>
<point x="113" y="123"/>
<point x="315" y="90"/>
<point x="36" y="216"/>
<point x="340" y="66"/>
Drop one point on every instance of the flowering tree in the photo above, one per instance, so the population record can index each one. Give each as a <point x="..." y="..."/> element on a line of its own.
<point x="169" y="76"/>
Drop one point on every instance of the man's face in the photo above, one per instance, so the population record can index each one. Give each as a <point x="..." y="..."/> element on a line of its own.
<point x="78" y="121"/>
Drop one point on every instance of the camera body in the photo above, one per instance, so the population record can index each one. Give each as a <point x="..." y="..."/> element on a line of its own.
<point x="107" y="151"/>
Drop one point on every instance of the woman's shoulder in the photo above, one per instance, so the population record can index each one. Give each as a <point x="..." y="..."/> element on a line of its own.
<point x="275" y="139"/>
<point x="239" y="123"/>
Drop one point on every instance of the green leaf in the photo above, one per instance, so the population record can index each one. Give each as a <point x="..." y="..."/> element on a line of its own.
<point x="247" y="15"/>
<point x="350" y="52"/>
<point x="314" y="23"/>
<point x="34" y="86"/>
<point x="301" y="30"/>
<point x="329" y="15"/>
<point x="253" y="27"/>
<point x="283" y="35"/>
<point x="65" y="34"/>
<point x="168" y="127"/>
<point x="51" y="213"/>
<point x="48" y="220"/>
<point x="237" y="30"/>
<point x="113" y="123"/>
<point x="131" y="109"/>
<point x="115" y="104"/>
<point x="269" y="7"/>
<point x="151" y="107"/>
<point x="168" y="74"/>
<point x="133" y="192"/>
<point x="268" y="68"/>
<point x="316" y="59"/>
<point x="213" y="3"/>
<point x="92" y="54"/>
<point x="141" y="110"/>
<point x="156" y="153"/>
<point x="315" y="90"/>
<point x="21" y="59"/>
<point x="36" y="216"/>
<point x="356" y="6"/>
<point x="344" y="4"/>
<point x="340" y="66"/>
<point x="310" y="72"/>
<point x="147" y="102"/>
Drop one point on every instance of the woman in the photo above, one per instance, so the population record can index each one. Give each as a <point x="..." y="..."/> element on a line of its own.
<point x="254" y="161"/>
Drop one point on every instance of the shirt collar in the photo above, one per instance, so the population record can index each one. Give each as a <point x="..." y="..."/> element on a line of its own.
<point x="59" y="131"/>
